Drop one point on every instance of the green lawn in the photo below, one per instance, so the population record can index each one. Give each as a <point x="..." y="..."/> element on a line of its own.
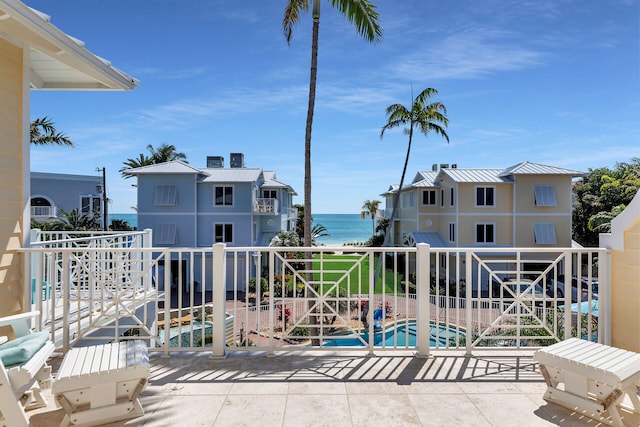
<point x="353" y="272"/>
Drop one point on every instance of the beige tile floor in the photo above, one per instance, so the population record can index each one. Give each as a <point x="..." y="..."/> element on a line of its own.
<point x="340" y="389"/>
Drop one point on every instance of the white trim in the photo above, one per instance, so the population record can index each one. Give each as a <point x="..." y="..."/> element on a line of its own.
<point x="475" y="233"/>
<point x="485" y="187"/>
<point x="431" y="192"/>
<point x="233" y="196"/>
<point x="224" y="232"/>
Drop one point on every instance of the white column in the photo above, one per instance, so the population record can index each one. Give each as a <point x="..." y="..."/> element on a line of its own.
<point x="219" y="296"/>
<point x="423" y="332"/>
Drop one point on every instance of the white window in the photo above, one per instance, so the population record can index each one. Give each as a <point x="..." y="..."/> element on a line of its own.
<point x="485" y="233"/>
<point x="544" y="195"/>
<point x="429" y="197"/>
<point x="452" y="232"/>
<point x="451" y="195"/>
<point x="165" y="195"/>
<point x="223" y="233"/>
<point x="442" y="197"/>
<point x="544" y="233"/>
<point x="269" y="194"/>
<point x="485" y="196"/>
<point x="223" y="196"/>
<point x="164" y="233"/>
<point x="404" y="200"/>
<point x="411" y="199"/>
<point x="90" y="205"/>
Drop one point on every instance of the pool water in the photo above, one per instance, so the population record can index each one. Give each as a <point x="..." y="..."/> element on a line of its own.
<point x="402" y="334"/>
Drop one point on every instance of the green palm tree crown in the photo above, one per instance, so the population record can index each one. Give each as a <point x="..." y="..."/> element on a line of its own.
<point x="363" y="15"/>
<point x="164" y="153"/>
<point x="370" y="208"/>
<point x="423" y="115"/>
<point x="43" y="132"/>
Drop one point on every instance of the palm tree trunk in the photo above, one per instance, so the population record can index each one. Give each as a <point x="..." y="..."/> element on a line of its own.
<point x="314" y="329"/>
<point x="307" y="138"/>
<point x="395" y="200"/>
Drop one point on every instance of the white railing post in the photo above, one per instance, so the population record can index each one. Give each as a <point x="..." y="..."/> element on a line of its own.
<point x="66" y="304"/>
<point x="568" y="277"/>
<point x="423" y="309"/>
<point x="604" y="297"/>
<point x="147" y="242"/>
<point x="219" y="296"/>
<point x="469" y="301"/>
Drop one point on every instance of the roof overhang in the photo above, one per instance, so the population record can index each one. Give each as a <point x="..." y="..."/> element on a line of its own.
<point x="57" y="60"/>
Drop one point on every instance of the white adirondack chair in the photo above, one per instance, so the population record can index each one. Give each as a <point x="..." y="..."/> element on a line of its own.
<point x="23" y="369"/>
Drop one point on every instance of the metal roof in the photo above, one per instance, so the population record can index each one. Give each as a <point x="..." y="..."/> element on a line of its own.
<point x="57" y="60"/>
<point x="270" y="181"/>
<point x="433" y="238"/>
<point x="232" y="175"/>
<point x="529" y="168"/>
<point x="476" y="175"/>
<point x="428" y="179"/>
<point x="173" y="167"/>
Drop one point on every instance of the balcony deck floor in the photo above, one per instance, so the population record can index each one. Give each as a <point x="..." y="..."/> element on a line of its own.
<point x="344" y="389"/>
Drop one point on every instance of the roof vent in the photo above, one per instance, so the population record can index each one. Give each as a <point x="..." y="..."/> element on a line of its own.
<point x="444" y="165"/>
<point x="434" y="167"/>
<point x="454" y="166"/>
<point x="215" y="162"/>
<point x="237" y="160"/>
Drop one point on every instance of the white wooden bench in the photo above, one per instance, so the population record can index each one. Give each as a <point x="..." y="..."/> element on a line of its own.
<point x="23" y="368"/>
<point x="101" y="384"/>
<point x="595" y="378"/>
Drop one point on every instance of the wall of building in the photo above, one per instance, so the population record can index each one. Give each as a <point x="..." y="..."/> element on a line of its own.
<point x="624" y="242"/>
<point x="11" y="169"/>
<point x="65" y="190"/>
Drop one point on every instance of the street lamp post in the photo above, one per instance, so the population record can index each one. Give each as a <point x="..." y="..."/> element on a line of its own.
<point x="105" y="200"/>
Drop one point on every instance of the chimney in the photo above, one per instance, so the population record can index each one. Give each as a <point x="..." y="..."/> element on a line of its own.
<point x="215" y="162"/>
<point x="444" y="165"/>
<point x="434" y="167"/>
<point x="237" y="160"/>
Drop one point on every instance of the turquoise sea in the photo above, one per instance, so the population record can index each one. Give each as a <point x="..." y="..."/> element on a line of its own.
<point x="343" y="228"/>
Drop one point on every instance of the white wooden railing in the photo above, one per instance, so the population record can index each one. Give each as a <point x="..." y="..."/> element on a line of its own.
<point x="223" y="299"/>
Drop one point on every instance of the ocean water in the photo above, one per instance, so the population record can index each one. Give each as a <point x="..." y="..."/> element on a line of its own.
<point x="343" y="228"/>
<point x="131" y="218"/>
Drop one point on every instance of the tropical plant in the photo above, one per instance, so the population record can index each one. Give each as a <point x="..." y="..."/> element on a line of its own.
<point x="370" y="208"/>
<point x="317" y="232"/>
<point x="285" y="238"/>
<point x="120" y="225"/>
<point x="164" y="153"/>
<point x="598" y="197"/>
<point x="361" y="13"/>
<point x="43" y="132"/>
<point x="70" y="221"/>
<point x="601" y="222"/>
<point x="426" y="117"/>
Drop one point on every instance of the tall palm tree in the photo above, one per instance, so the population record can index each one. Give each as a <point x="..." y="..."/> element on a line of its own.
<point x="426" y="117"/>
<point x="361" y="13"/>
<point x="43" y="132"/>
<point x="370" y="208"/>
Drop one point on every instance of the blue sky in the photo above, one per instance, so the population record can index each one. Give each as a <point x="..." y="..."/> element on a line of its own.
<point x="548" y="81"/>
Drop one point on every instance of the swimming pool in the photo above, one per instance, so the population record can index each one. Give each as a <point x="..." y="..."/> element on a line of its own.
<point x="402" y="334"/>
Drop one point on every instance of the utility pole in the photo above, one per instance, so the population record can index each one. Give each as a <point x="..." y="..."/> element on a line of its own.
<point x="105" y="200"/>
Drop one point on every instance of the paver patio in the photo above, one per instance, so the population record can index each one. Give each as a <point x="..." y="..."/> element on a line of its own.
<point x="344" y="389"/>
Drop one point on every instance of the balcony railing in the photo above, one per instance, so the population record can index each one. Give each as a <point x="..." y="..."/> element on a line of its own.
<point x="223" y="299"/>
<point x="43" y="211"/>
<point x="266" y="206"/>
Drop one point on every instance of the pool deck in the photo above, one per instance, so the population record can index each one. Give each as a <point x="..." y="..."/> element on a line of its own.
<point x="344" y="389"/>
